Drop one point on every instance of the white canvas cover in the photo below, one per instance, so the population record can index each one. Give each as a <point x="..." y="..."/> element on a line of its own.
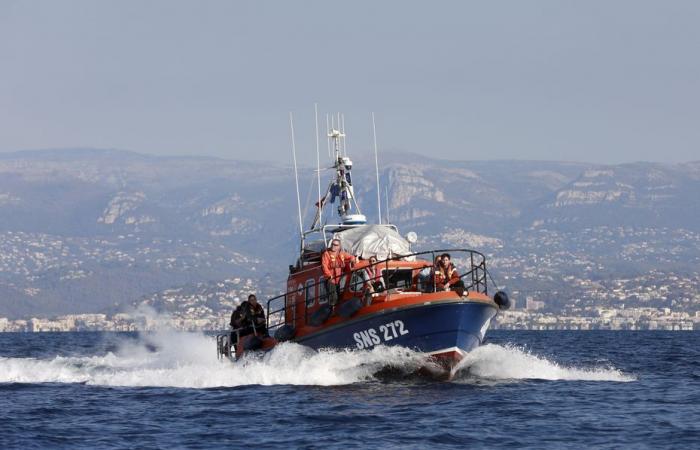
<point x="374" y="240"/>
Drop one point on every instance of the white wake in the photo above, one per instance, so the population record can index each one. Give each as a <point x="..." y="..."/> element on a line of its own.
<point x="496" y="362"/>
<point x="188" y="360"/>
<point x="180" y="359"/>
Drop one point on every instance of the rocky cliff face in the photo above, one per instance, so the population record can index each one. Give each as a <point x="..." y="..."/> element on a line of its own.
<point x="84" y="193"/>
<point x="409" y="184"/>
<point x="124" y="208"/>
<point x="631" y="194"/>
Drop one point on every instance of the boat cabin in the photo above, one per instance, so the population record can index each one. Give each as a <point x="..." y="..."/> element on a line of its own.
<point x="401" y="273"/>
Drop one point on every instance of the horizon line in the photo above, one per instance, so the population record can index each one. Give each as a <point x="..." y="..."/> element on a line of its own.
<point x="7" y="154"/>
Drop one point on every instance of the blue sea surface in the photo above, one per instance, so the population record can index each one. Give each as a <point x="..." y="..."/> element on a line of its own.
<point x="536" y="389"/>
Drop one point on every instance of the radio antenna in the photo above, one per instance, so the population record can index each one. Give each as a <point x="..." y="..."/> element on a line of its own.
<point x="296" y="175"/>
<point x="342" y="130"/>
<point x="386" y="196"/>
<point x="328" y="130"/>
<point x="376" y="168"/>
<point x="318" y="166"/>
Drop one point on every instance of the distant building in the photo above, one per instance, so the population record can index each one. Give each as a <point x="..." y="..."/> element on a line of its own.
<point x="533" y="305"/>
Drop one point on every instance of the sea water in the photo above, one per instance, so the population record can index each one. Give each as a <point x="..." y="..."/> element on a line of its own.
<point x="532" y="389"/>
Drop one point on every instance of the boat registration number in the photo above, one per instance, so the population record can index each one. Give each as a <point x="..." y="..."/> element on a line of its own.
<point x="371" y="337"/>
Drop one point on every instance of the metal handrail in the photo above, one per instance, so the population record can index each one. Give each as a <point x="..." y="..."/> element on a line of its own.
<point x="477" y="272"/>
<point x="229" y="345"/>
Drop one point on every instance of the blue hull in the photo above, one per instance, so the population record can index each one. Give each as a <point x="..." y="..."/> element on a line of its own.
<point x="434" y="328"/>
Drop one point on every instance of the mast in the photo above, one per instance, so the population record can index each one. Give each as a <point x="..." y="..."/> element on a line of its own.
<point x="342" y="187"/>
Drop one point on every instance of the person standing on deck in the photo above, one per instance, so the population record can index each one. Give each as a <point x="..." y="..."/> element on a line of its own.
<point x="335" y="263"/>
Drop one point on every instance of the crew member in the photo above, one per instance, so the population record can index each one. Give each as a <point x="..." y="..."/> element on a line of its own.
<point x="452" y="279"/>
<point x="335" y="263"/>
<point x="373" y="276"/>
<point x="438" y="275"/>
<point x="249" y="317"/>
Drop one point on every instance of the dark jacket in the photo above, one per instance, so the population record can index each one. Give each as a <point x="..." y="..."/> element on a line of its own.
<point x="246" y="315"/>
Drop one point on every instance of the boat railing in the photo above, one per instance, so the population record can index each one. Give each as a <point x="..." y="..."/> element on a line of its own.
<point x="394" y="279"/>
<point x="226" y="344"/>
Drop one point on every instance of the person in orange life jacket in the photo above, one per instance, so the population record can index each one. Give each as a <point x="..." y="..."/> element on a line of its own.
<point x="335" y="263"/>
<point x="373" y="281"/>
<point x="451" y="276"/>
<point x="438" y="275"/>
<point x="373" y="276"/>
<point x="249" y="317"/>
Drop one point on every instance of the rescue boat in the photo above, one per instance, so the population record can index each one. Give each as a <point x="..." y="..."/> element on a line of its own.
<point x="408" y="309"/>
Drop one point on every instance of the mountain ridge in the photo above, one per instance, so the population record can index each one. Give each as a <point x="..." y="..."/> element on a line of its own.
<point x="75" y="221"/>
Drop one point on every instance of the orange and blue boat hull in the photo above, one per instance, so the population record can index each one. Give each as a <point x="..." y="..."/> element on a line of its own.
<point x="446" y="330"/>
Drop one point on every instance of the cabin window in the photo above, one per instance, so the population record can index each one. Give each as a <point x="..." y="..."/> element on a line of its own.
<point x="310" y="291"/>
<point x="398" y="278"/>
<point x="322" y="297"/>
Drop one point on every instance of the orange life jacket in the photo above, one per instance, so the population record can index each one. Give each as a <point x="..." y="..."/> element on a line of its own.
<point x="334" y="264"/>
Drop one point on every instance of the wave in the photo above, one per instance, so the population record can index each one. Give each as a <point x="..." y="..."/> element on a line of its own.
<point x="499" y="363"/>
<point x="188" y="360"/>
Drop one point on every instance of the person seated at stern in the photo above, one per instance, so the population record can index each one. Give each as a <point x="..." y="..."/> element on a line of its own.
<point x="451" y="278"/>
<point x="249" y="317"/>
<point x="373" y="280"/>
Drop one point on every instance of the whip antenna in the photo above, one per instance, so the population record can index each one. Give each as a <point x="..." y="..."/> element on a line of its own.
<point x="328" y="131"/>
<point x="318" y="167"/>
<point x="376" y="168"/>
<point x="386" y="196"/>
<point x="337" y="124"/>
<point x="341" y="126"/>
<point x="296" y="175"/>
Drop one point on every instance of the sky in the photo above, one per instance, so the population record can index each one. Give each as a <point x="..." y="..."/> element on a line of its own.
<point x="606" y="81"/>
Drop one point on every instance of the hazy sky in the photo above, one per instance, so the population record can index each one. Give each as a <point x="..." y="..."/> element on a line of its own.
<point x="598" y="81"/>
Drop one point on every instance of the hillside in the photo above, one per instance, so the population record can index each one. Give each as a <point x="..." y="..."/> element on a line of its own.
<point x="94" y="230"/>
